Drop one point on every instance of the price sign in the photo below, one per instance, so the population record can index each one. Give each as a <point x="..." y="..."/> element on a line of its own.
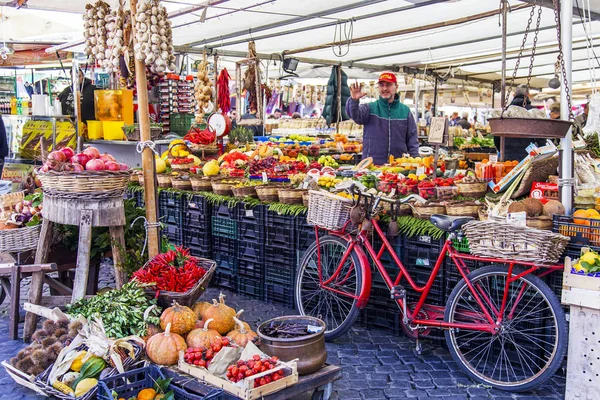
<point x="420" y="170"/>
<point x="439" y="126"/>
<point x="265" y="178"/>
<point x="493" y="158"/>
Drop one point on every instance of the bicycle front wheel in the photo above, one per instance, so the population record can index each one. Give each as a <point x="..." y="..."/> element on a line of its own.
<point x="530" y="342"/>
<point x="334" y="303"/>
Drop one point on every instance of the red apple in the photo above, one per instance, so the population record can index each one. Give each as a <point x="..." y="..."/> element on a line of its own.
<point x="92" y="152"/>
<point x="58" y="156"/>
<point x="80" y="158"/>
<point x="95" y="165"/>
<point x="112" y="166"/>
<point x="107" y="157"/>
<point x="68" y="152"/>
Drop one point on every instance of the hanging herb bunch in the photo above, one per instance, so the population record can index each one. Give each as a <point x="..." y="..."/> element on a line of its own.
<point x="250" y="78"/>
<point x="154" y="37"/>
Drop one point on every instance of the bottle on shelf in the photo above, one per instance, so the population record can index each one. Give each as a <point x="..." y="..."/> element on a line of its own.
<point x="25" y="106"/>
<point x="30" y="106"/>
<point x="13" y="105"/>
<point x="19" y="106"/>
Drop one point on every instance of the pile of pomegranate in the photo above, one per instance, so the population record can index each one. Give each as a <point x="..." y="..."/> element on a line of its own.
<point x="90" y="159"/>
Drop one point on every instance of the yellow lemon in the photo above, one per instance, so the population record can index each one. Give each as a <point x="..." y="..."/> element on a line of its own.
<point x="422" y="176"/>
<point x="197" y="161"/>
<point x="161" y="165"/>
<point x="413" y="176"/>
<point x="578" y="267"/>
<point x="593" y="213"/>
<point x="589" y="258"/>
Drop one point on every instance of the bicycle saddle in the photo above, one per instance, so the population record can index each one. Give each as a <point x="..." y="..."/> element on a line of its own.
<point x="449" y="224"/>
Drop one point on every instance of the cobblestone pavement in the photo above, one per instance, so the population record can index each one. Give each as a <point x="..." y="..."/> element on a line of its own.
<point x="376" y="364"/>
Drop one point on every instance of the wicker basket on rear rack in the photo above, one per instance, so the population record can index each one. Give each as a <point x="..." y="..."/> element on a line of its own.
<point x="327" y="210"/>
<point x="513" y="242"/>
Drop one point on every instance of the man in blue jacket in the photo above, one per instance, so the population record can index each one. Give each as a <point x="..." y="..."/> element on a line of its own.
<point x="388" y="125"/>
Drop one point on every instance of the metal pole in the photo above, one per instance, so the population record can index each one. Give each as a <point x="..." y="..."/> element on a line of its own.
<point x="566" y="37"/>
<point x="503" y="82"/>
<point x="75" y="90"/>
<point x="417" y="94"/>
<point x="435" y="96"/>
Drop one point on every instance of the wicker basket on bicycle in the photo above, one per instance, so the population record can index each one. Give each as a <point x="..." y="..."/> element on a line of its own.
<point x="512" y="242"/>
<point x="327" y="210"/>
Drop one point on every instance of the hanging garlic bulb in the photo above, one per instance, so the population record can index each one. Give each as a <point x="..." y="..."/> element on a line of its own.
<point x="95" y="30"/>
<point x="116" y="46"/>
<point x="203" y="91"/>
<point x="154" y="37"/>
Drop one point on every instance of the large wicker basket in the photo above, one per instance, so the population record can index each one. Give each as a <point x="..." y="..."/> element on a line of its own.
<point x="327" y="210"/>
<point x="224" y="186"/>
<point x="165" y="299"/>
<point x="427" y="210"/>
<point x="291" y="196"/>
<point x="201" y="183"/>
<point x="474" y="190"/>
<point x="85" y="182"/>
<point x="244" y="191"/>
<point x="181" y="183"/>
<point x="164" y="180"/>
<point x="268" y="193"/>
<point x="19" y="239"/>
<point x="513" y="242"/>
<point x="463" y="209"/>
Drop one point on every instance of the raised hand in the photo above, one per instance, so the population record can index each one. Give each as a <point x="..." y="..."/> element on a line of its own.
<point x="355" y="91"/>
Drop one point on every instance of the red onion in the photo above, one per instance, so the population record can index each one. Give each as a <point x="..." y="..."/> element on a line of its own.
<point x="80" y="158"/>
<point x="57" y="156"/>
<point x="112" y="166"/>
<point x="124" y="167"/>
<point x="92" y="152"/>
<point x="95" y="165"/>
<point x="68" y="152"/>
<point x="107" y="157"/>
<point x="78" y="167"/>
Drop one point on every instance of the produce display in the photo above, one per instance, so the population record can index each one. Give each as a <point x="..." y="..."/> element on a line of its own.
<point x="202" y="355"/>
<point x="254" y="366"/>
<point x="65" y="160"/>
<point x="27" y="212"/>
<point x="588" y="264"/>
<point x="173" y="271"/>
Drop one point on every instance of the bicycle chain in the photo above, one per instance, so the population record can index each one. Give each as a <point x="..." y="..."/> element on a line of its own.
<point x="561" y="59"/>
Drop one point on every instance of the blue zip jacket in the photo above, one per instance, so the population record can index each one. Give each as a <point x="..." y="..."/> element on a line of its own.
<point x="388" y="129"/>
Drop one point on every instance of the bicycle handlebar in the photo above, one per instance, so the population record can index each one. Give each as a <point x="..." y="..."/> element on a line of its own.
<point x="357" y="188"/>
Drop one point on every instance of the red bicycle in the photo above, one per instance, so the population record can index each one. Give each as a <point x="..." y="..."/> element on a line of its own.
<point x="503" y="325"/>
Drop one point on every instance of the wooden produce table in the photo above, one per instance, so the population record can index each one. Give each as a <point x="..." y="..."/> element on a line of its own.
<point x="321" y="382"/>
<point x="85" y="212"/>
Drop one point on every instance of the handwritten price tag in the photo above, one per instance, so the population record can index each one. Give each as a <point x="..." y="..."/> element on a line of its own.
<point x="265" y="178"/>
<point x="436" y="130"/>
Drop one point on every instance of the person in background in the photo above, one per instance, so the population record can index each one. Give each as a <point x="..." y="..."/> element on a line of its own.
<point x="67" y="100"/>
<point x="3" y="145"/>
<point x="29" y="89"/>
<point x="428" y="114"/>
<point x="555" y="110"/>
<point x="454" y="118"/>
<point x="389" y="126"/>
<point x="277" y="113"/>
<point x="314" y="114"/>
<point x="296" y="115"/>
<point x="581" y="119"/>
<point x="514" y="148"/>
<point x="257" y="130"/>
<point x="464" y="121"/>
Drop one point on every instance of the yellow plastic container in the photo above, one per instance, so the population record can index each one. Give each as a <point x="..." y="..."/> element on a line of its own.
<point x="113" y="130"/>
<point x="94" y="129"/>
<point x="114" y="105"/>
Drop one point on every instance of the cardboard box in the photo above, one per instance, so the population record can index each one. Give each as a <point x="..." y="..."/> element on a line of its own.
<point x="544" y="191"/>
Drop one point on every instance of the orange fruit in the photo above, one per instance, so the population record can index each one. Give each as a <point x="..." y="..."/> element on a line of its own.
<point x="581" y="214"/>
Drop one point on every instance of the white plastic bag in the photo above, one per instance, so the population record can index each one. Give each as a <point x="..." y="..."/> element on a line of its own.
<point x="593" y="119"/>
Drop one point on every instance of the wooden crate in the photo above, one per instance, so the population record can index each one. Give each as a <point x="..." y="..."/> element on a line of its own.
<point x="247" y="391"/>
<point x="580" y="290"/>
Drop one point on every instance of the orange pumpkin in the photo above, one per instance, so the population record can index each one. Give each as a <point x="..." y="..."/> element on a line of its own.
<point x="199" y="308"/>
<point x="181" y="318"/>
<point x="202" y="337"/>
<point x="222" y="315"/>
<point x="151" y="331"/>
<point x="241" y="336"/>
<point x="246" y="325"/>
<point x="163" y="348"/>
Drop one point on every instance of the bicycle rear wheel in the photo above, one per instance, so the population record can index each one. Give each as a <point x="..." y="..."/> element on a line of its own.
<point x="530" y="343"/>
<point x="337" y="310"/>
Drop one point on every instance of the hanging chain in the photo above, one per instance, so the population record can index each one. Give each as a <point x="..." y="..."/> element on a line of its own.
<point x="514" y="75"/>
<point x="561" y="59"/>
<point x="533" y="49"/>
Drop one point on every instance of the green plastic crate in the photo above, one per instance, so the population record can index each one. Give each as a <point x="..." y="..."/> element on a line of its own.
<point x="180" y="123"/>
<point x="224" y="227"/>
<point x="461" y="246"/>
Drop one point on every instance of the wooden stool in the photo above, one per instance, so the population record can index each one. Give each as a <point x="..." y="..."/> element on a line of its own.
<point x="86" y="214"/>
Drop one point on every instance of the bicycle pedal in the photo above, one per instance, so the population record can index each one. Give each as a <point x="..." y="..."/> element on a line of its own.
<point x="398" y="292"/>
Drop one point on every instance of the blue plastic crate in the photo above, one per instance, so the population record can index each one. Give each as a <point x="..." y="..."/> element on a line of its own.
<point x="128" y="384"/>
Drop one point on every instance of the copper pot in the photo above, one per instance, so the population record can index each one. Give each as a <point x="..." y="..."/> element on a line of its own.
<point x="309" y="350"/>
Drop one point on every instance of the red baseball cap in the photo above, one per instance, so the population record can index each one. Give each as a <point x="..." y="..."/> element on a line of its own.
<point x="388" y="77"/>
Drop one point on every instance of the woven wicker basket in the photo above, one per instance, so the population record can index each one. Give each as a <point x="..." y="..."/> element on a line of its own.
<point x="135" y="178"/>
<point x="9" y="200"/>
<point x="182" y="167"/>
<point x="244" y="191"/>
<point x="42" y="380"/>
<point x="305" y="197"/>
<point x="19" y="239"/>
<point x="268" y="193"/>
<point x="225" y="189"/>
<point x="327" y="210"/>
<point x="463" y="209"/>
<point x="513" y="242"/>
<point x="427" y="210"/>
<point x="544" y="223"/>
<point x="473" y="190"/>
<point x="181" y="183"/>
<point x="291" y="196"/>
<point x="201" y="183"/>
<point x="85" y="182"/>
<point x="164" y="180"/>
<point x="165" y="299"/>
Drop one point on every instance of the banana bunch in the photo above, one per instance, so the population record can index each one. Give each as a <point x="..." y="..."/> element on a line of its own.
<point x="328" y="161"/>
<point x="302" y="158"/>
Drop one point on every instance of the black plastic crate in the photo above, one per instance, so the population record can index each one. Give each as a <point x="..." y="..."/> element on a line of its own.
<point x="281" y="274"/>
<point x="200" y="251"/>
<point x="279" y="294"/>
<point x="251" y="251"/>
<point x="224" y="245"/>
<point x="250" y="269"/>
<point x="280" y="229"/>
<point x="197" y="238"/>
<point x="251" y="287"/>
<point x="224" y="280"/>
<point x="452" y="275"/>
<point x="280" y="256"/>
<point x="388" y="319"/>
<point x="425" y="240"/>
<point x="251" y="231"/>
<point x="196" y="212"/>
<point x="251" y="214"/>
<point x="224" y="211"/>
<point x="173" y="234"/>
<point x="381" y="297"/>
<point x="305" y="233"/>
<point x="387" y="260"/>
<point x="169" y="199"/>
<point x="419" y="260"/>
<point x="225" y="262"/>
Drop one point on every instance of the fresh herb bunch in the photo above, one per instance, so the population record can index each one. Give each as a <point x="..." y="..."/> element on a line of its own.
<point x="288" y="209"/>
<point x="592" y="144"/>
<point x="410" y="226"/>
<point x="121" y="310"/>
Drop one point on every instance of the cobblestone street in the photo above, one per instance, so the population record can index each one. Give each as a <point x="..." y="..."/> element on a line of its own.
<point x="376" y="364"/>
